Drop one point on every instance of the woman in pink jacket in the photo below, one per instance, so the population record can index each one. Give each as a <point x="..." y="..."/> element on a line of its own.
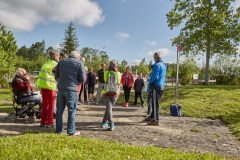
<point x="127" y="82"/>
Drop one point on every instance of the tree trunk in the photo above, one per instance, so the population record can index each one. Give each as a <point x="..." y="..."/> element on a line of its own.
<point x="208" y="44"/>
<point x="207" y="66"/>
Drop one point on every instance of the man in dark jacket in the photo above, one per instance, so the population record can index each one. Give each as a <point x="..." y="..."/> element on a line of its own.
<point x="69" y="73"/>
<point x="100" y="82"/>
<point x="139" y="85"/>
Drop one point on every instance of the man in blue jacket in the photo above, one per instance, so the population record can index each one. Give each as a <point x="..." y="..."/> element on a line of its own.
<point x="157" y="81"/>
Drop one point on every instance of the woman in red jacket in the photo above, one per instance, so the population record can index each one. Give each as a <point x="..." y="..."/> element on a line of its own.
<point x="127" y="82"/>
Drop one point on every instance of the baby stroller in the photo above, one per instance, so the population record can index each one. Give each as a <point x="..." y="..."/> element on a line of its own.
<point x="26" y="109"/>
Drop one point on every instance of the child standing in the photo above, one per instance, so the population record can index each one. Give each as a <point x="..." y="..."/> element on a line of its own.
<point x="91" y="81"/>
<point x="139" y="85"/>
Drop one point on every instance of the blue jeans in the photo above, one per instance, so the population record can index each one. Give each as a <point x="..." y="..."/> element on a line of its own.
<point x="149" y="102"/>
<point x="70" y="98"/>
<point x="37" y="99"/>
<point x="156" y="96"/>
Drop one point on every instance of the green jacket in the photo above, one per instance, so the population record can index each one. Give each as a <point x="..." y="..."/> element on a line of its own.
<point x="46" y="77"/>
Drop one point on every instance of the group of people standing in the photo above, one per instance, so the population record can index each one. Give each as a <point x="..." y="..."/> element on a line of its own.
<point x="67" y="77"/>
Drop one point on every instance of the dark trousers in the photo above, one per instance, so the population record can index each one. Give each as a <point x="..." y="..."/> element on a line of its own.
<point x="149" y="102"/>
<point x="156" y="96"/>
<point x="126" y="90"/>
<point x="84" y="89"/>
<point x="138" y="94"/>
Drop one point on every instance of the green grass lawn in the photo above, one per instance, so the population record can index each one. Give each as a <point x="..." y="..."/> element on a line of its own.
<point x="214" y="102"/>
<point x="55" y="146"/>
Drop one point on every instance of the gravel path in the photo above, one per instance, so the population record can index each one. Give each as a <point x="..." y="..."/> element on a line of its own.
<point x="180" y="133"/>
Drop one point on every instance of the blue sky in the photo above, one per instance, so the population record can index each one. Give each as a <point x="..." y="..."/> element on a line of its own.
<point x="127" y="29"/>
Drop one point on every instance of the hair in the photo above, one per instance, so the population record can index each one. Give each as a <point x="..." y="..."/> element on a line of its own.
<point x="53" y="54"/>
<point x="63" y="55"/>
<point x="86" y="69"/>
<point x="139" y="73"/>
<point x="151" y="66"/>
<point x="128" y="67"/>
<point x="157" y="56"/>
<point x="112" y="63"/>
<point x="82" y="59"/>
<point x="75" y="54"/>
<point x="90" y="69"/>
<point x="19" y="71"/>
<point x="102" y="64"/>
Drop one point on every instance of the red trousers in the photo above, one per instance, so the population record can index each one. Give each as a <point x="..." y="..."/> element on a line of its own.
<point x="48" y="102"/>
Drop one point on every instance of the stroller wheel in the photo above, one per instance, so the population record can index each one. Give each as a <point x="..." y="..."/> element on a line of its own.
<point x="11" y="117"/>
<point x="31" y="119"/>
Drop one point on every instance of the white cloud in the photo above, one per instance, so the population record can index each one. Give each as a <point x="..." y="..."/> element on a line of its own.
<point x="122" y="36"/>
<point x="24" y="15"/>
<point x="152" y="43"/>
<point x="136" y="62"/>
<point x="163" y="52"/>
<point x="56" y="46"/>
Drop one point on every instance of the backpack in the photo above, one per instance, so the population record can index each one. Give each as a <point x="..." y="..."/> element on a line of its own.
<point x="112" y="86"/>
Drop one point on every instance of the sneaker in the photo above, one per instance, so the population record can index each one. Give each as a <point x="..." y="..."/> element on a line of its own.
<point x="42" y="125"/>
<point x="125" y="104"/>
<point x="149" y="119"/>
<point x="153" y="123"/>
<point x="104" y="124"/>
<point x="96" y="103"/>
<point x="49" y="125"/>
<point x="79" y="103"/>
<point x="147" y="115"/>
<point x="90" y="100"/>
<point x="142" y="106"/>
<point x="112" y="127"/>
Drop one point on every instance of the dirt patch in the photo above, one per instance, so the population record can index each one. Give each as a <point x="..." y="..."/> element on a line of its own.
<point x="180" y="133"/>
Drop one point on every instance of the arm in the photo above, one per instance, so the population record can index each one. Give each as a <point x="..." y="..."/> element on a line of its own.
<point x="154" y="74"/>
<point x="57" y="71"/>
<point x="25" y="87"/>
<point x="81" y="73"/>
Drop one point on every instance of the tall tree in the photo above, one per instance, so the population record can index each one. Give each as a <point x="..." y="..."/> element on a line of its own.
<point x="35" y="50"/>
<point x="94" y="57"/>
<point x="212" y="27"/>
<point x="122" y="66"/>
<point x="8" y="49"/>
<point x="70" y="42"/>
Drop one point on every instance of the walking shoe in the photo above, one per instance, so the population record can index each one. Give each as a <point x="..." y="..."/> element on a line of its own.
<point x="96" y="102"/>
<point x="125" y="104"/>
<point x="149" y="119"/>
<point x="49" y="125"/>
<point x="104" y="124"/>
<point x="112" y="127"/>
<point x="153" y="123"/>
<point x="42" y="125"/>
<point x="147" y="115"/>
<point x="79" y="103"/>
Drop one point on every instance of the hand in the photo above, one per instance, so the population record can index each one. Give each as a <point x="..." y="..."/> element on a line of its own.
<point x="27" y="77"/>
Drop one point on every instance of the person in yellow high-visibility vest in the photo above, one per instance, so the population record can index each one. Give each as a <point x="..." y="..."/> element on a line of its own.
<point x="47" y="83"/>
